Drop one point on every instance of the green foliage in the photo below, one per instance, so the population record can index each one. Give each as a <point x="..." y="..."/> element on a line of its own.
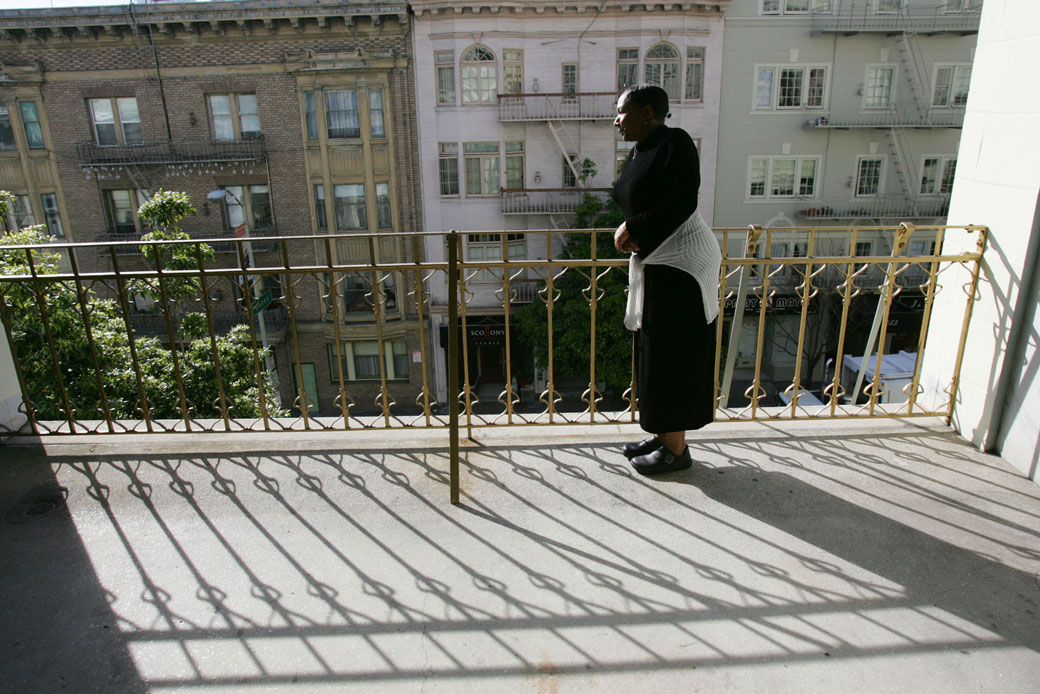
<point x="49" y="322"/>
<point x="163" y="211"/>
<point x="572" y="310"/>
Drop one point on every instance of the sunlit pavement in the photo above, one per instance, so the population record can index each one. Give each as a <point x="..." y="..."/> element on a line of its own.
<point x="793" y="557"/>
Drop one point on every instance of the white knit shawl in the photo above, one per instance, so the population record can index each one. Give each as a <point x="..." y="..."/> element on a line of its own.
<point x="693" y="249"/>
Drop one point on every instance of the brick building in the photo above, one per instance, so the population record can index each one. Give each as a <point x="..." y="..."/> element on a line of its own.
<point x="304" y="112"/>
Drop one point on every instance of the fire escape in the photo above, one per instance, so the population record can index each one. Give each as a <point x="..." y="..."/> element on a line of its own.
<point x="913" y="110"/>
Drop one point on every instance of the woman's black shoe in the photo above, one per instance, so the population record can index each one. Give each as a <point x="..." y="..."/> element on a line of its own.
<point x="631" y="450"/>
<point x="662" y="460"/>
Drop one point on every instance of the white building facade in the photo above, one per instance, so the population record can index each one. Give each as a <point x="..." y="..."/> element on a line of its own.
<point x="512" y="97"/>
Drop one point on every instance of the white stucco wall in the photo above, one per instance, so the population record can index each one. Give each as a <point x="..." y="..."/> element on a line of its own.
<point x="10" y="394"/>
<point x="998" y="179"/>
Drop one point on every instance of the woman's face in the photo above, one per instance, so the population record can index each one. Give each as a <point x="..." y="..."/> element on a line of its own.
<point x="633" y="120"/>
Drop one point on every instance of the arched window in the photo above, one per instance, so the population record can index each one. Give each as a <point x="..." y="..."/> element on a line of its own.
<point x="662" y="69"/>
<point x="479" y="76"/>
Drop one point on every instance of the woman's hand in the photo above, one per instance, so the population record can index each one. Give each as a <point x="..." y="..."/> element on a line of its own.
<point x="623" y="241"/>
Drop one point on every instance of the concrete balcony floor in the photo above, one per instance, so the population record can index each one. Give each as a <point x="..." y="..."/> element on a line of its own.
<point x="793" y="557"/>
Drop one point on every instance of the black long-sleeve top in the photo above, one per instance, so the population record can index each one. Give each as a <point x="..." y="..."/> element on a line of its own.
<point x="657" y="189"/>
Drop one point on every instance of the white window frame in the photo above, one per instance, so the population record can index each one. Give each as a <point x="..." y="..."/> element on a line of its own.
<point x="890" y="98"/>
<point x="19" y="214"/>
<point x="630" y="64"/>
<point x="769" y="182"/>
<point x="247" y="212"/>
<point x="944" y="162"/>
<point x="672" y="84"/>
<point x="448" y="152"/>
<point x="488" y="248"/>
<point x="777" y="70"/>
<point x="514" y="157"/>
<point x="791" y="7"/>
<point x="568" y="86"/>
<point x="859" y="170"/>
<point x="479" y="68"/>
<point x="444" y="72"/>
<point x="482" y="156"/>
<point x="956" y="70"/>
<point x="884" y="6"/>
<point x="512" y="61"/>
<point x="693" y="88"/>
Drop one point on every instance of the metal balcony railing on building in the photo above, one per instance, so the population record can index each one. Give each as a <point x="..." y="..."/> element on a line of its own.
<point x="577" y="106"/>
<point x="863" y="16"/>
<point x="547" y="200"/>
<point x="899" y="116"/>
<point x="153" y="323"/>
<point x="166" y="152"/>
<point x="897" y="207"/>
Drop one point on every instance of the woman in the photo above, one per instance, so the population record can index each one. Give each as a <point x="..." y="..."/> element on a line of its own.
<point x="673" y="280"/>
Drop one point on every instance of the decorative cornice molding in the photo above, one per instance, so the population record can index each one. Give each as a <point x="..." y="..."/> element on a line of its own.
<point x="425" y="9"/>
<point x="250" y="17"/>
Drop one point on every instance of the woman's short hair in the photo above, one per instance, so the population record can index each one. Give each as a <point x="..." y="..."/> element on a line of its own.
<point x="648" y="95"/>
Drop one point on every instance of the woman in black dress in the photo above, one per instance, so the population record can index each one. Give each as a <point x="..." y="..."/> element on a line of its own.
<point x="678" y="259"/>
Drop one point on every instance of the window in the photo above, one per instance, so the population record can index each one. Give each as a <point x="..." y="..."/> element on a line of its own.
<point x="249" y="205"/>
<point x="514" y="165"/>
<point x="889" y="6"/>
<point x="868" y="176"/>
<point x="569" y="78"/>
<point x="116" y="121"/>
<point x="445" y="62"/>
<point x="963" y="5"/>
<point x="627" y="68"/>
<point x="384" y="218"/>
<point x="662" y="69"/>
<point x="694" y="73"/>
<point x="877" y="91"/>
<point x="361" y="360"/>
<point x="51" y="215"/>
<point x="6" y="131"/>
<point x="19" y="214"/>
<point x="782" y="177"/>
<point x="513" y="71"/>
<point x="234" y="116"/>
<point x="341" y="114"/>
<point x="864" y="248"/>
<point x="951" y="86"/>
<point x="320" y="215"/>
<point x="621" y="150"/>
<point x="448" y="165"/>
<point x="479" y="76"/>
<point x="375" y="113"/>
<point x="790" y="87"/>
<point x="937" y="175"/>
<point x="488" y="248"/>
<point x="31" y="122"/>
<point x="350" y="207"/>
<point x="310" y="103"/>
<point x="569" y="179"/>
<point x="122" y="210"/>
<point x="481" y="168"/>
<point x="788" y="6"/>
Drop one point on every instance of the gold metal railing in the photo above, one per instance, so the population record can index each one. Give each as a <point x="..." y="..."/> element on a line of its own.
<point x="804" y="332"/>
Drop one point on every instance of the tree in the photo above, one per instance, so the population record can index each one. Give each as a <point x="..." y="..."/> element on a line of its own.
<point x="73" y="346"/>
<point x="572" y="310"/>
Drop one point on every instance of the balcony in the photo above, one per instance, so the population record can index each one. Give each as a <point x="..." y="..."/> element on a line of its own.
<point x="855" y="17"/>
<point x="547" y="200"/>
<point x="91" y="154"/>
<point x="541" y="107"/>
<point x="901" y="116"/>
<point x="880" y="207"/>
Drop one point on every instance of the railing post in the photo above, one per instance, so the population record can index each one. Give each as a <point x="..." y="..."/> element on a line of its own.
<point x="453" y="366"/>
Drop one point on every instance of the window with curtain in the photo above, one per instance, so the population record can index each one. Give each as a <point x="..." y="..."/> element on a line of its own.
<point x="662" y="68"/>
<point x="694" y="73"/>
<point x="514" y="165"/>
<point x="479" y="76"/>
<point x="361" y="360"/>
<point x="310" y="105"/>
<point x="234" y="116"/>
<point x="351" y="213"/>
<point x="383" y="212"/>
<point x="51" y="215"/>
<point x="320" y="217"/>
<point x="116" y="121"/>
<point x="512" y="71"/>
<point x="375" y="113"/>
<point x="448" y="167"/>
<point x="19" y="214"/>
<point x="6" y="131"/>
<point x="31" y="122"/>
<point x="445" y="62"/>
<point x="481" y="159"/>
<point x="341" y="114"/>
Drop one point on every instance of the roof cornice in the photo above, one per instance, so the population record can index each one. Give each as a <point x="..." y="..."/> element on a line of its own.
<point x="245" y="17"/>
<point x="428" y="8"/>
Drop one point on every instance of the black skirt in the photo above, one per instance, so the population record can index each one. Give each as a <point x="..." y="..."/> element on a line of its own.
<point x="675" y="354"/>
